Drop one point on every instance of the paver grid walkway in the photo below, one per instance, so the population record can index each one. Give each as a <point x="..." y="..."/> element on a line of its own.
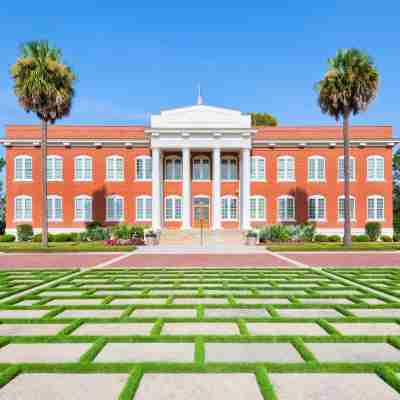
<point x="265" y="333"/>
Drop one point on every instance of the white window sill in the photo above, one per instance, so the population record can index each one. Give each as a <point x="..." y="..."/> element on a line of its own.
<point x="342" y="180"/>
<point x="258" y="180"/>
<point x="173" y="180"/>
<point x="22" y="220"/>
<point x="317" y="220"/>
<point x="258" y="219"/>
<point x="143" y="180"/>
<point x="201" y="180"/>
<point x="83" y="220"/>
<point x="173" y="220"/>
<point x="376" y="220"/>
<point x="55" y="220"/>
<point x="55" y="180"/>
<point x="115" y="220"/>
<point x="23" y="180"/>
<point x="341" y="221"/>
<point x="229" y="220"/>
<point x="115" y="180"/>
<point x="143" y="220"/>
<point x="317" y="180"/>
<point x="83" y="180"/>
<point x="286" y="220"/>
<point x="229" y="180"/>
<point x="376" y="180"/>
<point x="285" y="180"/>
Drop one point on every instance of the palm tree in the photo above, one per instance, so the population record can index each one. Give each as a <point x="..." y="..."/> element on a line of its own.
<point x="44" y="86"/>
<point x="349" y="85"/>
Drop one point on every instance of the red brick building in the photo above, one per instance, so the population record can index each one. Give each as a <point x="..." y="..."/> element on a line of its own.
<point x="199" y="162"/>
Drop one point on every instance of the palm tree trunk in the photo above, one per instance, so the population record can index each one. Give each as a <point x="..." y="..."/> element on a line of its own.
<point x="44" y="185"/>
<point x="346" y="153"/>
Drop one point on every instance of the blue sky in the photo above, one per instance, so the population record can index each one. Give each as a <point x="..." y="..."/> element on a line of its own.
<point x="134" y="58"/>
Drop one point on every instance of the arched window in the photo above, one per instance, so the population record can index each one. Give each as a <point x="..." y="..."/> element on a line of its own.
<point x="173" y="168"/>
<point x="23" y="168"/>
<point x="229" y="169"/>
<point x="54" y="168"/>
<point x="83" y="208"/>
<point x="173" y="208"/>
<point x="115" y="168"/>
<point x="257" y="168"/>
<point x="23" y="208"/>
<point x="376" y="208"/>
<point x="83" y="166"/>
<point x="286" y="209"/>
<point x="201" y="168"/>
<point x="316" y="208"/>
<point x="316" y="169"/>
<point x="54" y="208"/>
<point x="143" y="168"/>
<point x="115" y="208"/>
<point x="229" y="210"/>
<point x="257" y="208"/>
<point x="352" y="168"/>
<point x="143" y="208"/>
<point x="375" y="168"/>
<point x="341" y="208"/>
<point x="285" y="169"/>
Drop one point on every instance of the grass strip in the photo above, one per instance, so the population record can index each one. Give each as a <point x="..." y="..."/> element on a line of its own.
<point x="9" y="374"/>
<point x="266" y="387"/>
<point x="131" y="386"/>
<point x="93" y="351"/>
<point x="389" y="376"/>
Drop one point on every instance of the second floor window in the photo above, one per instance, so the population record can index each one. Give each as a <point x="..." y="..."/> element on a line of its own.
<point x="54" y="168"/>
<point x="201" y="169"/>
<point x="229" y="170"/>
<point x="257" y="168"/>
<point x="23" y="168"/>
<point x="83" y="168"/>
<point x="173" y="169"/>
<point x="375" y="168"/>
<point x="54" y="208"/>
<point x="115" y="168"/>
<point x="285" y="169"/>
<point x="143" y="168"/>
<point x="316" y="169"/>
<point x="352" y="168"/>
<point x="115" y="208"/>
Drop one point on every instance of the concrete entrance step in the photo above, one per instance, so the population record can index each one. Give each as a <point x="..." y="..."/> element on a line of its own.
<point x="197" y="249"/>
<point x="193" y="237"/>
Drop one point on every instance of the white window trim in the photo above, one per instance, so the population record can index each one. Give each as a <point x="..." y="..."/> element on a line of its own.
<point x="237" y="171"/>
<point x="258" y="197"/>
<point x="174" y="198"/>
<point x="84" y="157"/>
<point x="352" y="178"/>
<point x="56" y="157"/>
<point x="83" y="197"/>
<point x="229" y="197"/>
<point x="53" y="197"/>
<point x="165" y="168"/>
<point x="263" y="178"/>
<point x="354" y="219"/>
<point x="144" y="197"/>
<point x="285" y="179"/>
<point x="374" y="179"/>
<point x="144" y="158"/>
<point x="23" y="197"/>
<point x="308" y="169"/>
<point x="24" y="179"/>
<point x="294" y="209"/>
<point x="209" y="168"/>
<point x="123" y="209"/>
<point x="316" y="197"/>
<point x="376" y="197"/>
<point x="116" y="156"/>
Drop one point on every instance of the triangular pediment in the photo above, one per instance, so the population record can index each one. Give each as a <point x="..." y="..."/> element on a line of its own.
<point x="200" y="116"/>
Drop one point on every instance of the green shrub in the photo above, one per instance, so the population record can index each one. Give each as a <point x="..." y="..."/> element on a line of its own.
<point x="24" y="232"/>
<point x="396" y="237"/>
<point x="321" y="238"/>
<point x="280" y="233"/>
<point x="360" y="238"/>
<point x="265" y="234"/>
<point x="127" y="231"/>
<point x="373" y="230"/>
<point x="306" y="232"/>
<point x="386" y="238"/>
<point x="38" y="238"/>
<point x="63" y="237"/>
<point x="7" y="238"/>
<point x="335" y="238"/>
<point x="93" y="225"/>
<point x="95" y="234"/>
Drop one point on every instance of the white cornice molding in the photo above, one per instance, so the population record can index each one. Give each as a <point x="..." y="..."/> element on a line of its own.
<point x="75" y="143"/>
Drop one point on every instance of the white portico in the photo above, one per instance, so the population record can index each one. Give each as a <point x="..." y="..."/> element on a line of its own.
<point x="194" y="129"/>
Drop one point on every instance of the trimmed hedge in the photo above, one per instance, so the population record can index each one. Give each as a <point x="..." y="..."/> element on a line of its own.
<point x="373" y="230"/>
<point x="321" y="238"/>
<point x="360" y="238"/>
<point x="24" y="232"/>
<point x="7" y="238"/>
<point x="386" y="238"/>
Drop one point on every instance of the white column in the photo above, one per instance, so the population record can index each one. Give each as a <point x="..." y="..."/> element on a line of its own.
<point x="156" y="189"/>
<point x="245" y="189"/>
<point x="216" y="189"/>
<point x="186" y="183"/>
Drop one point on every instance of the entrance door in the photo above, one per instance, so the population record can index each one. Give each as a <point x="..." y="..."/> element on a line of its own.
<point x="201" y="212"/>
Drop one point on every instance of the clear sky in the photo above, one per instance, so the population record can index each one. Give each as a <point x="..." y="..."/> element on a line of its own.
<point x="132" y="58"/>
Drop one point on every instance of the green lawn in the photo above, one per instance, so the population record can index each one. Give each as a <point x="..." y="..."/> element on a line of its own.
<point x="370" y="246"/>
<point x="70" y="247"/>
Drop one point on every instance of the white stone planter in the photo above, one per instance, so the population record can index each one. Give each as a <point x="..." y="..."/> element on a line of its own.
<point x="251" y="241"/>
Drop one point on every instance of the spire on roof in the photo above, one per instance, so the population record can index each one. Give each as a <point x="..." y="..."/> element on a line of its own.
<point x="199" y="96"/>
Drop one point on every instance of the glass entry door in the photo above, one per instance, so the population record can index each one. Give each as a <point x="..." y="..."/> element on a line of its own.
<point x="201" y="212"/>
